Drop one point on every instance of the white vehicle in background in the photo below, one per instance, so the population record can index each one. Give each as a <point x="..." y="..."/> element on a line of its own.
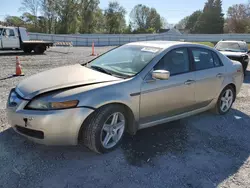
<point x="235" y="50"/>
<point x="17" y="38"/>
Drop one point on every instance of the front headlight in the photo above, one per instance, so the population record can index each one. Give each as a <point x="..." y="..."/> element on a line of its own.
<point x="45" y="105"/>
<point x="13" y="99"/>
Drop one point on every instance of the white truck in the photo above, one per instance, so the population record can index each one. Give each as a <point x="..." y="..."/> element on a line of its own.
<point x="17" y="38"/>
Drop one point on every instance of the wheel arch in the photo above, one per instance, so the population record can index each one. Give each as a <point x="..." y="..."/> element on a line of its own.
<point x="229" y="81"/>
<point x="132" y="124"/>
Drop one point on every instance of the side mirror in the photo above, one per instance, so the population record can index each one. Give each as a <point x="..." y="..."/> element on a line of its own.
<point x="161" y="74"/>
<point x="248" y="52"/>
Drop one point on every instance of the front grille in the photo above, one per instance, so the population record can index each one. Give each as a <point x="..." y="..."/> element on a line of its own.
<point x="30" y="132"/>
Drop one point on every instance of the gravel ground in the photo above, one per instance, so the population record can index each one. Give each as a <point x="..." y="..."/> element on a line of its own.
<point x="201" y="151"/>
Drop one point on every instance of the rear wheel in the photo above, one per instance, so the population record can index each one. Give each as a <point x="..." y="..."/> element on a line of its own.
<point x="103" y="131"/>
<point x="39" y="49"/>
<point x="245" y="68"/>
<point x="225" y="101"/>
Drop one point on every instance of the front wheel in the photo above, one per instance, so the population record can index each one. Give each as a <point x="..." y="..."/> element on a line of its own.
<point x="103" y="131"/>
<point x="225" y="101"/>
<point x="27" y="50"/>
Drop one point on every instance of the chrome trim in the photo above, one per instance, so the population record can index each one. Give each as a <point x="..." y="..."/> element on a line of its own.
<point x="161" y="88"/>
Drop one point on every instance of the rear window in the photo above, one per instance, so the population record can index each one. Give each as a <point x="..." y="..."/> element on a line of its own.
<point x="230" y="46"/>
<point x="205" y="59"/>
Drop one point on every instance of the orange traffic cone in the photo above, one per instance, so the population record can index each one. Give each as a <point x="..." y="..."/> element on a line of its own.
<point x="18" y="68"/>
<point x="93" y="49"/>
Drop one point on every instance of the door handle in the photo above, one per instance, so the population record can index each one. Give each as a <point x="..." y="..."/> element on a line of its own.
<point x="189" y="82"/>
<point x="150" y="80"/>
<point x="219" y="75"/>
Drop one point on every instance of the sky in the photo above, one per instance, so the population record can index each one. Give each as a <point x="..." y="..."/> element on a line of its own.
<point x="172" y="10"/>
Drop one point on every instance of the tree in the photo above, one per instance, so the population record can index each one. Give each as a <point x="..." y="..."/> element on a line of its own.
<point x="115" y="18"/>
<point x="128" y="29"/>
<point x="67" y="16"/>
<point x="98" y="23"/>
<point x="49" y="11"/>
<point x="164" y="23"/>
<point x="237" y="18"/>
<point x="139" y="16"/>
<point x="31" y="6"/>
<point x="31" y="22"/>
<point x="87" y="11"/>
<point x="219" y="17"/>
<point x="211" y="21"/>
<point x="154" y="20"/>
<point x="14" y="21"/>
<point x="192" y="20"/>
<point x="145" y="19"/>
<point x="182" y="23"/>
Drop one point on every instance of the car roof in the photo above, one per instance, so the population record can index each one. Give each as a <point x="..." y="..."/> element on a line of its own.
<point x="6" y="27"/>
<point x="163" y="44"/>
<point x="233" y="41"/>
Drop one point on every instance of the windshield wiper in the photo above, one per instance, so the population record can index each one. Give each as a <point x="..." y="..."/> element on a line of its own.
<point x="100" y="69"/>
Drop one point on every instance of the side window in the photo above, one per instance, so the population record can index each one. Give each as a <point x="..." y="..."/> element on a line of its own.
<point x="175" y="61"/>
<point x="11" y="33"/>
<point x="5" y="33"/>
<point x="203" y="59"/>
<point x="217" y="61"/>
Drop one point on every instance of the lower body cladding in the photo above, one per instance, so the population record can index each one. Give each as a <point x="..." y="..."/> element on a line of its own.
<point x="57" y="127"/>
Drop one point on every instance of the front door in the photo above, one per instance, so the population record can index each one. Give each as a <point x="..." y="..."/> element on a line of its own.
<point x="166" y="98"/>
<point x="9" y="39"/>
<point x="209" y="75"/>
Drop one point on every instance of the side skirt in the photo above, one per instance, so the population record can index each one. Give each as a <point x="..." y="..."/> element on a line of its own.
<point x="180" y="116"/>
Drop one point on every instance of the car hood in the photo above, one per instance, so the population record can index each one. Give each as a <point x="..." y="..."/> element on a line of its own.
<point x="61" y="78"/>
<point x="233" y="54"/>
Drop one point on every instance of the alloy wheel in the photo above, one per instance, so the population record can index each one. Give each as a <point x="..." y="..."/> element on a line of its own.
<point x="112" y="130"/>
<point x="226" y="100"/>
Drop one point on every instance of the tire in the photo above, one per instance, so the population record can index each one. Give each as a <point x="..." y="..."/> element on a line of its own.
<point x="244" y="66"/>
<point x="219" y="105"/>
<point x="39" y="49"/>
<point x="27" y="50"/>
<point x="94" y="131"/>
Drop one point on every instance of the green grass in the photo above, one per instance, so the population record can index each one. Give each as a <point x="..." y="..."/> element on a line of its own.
<point x="206" y="43"/>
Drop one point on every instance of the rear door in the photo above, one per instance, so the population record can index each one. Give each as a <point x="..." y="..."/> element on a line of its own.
<point x="209" y="75"/>
<point x="10" y="39"/>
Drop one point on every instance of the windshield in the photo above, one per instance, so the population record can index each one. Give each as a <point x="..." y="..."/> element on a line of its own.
<point x="1" y="29"/>
<point x="127" y="60"/>
<point x="229" y="46"/>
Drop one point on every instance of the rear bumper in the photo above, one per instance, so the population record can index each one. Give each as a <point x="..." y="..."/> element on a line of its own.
<point x="242" y="60"/>
<point x="58" y="127"/>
